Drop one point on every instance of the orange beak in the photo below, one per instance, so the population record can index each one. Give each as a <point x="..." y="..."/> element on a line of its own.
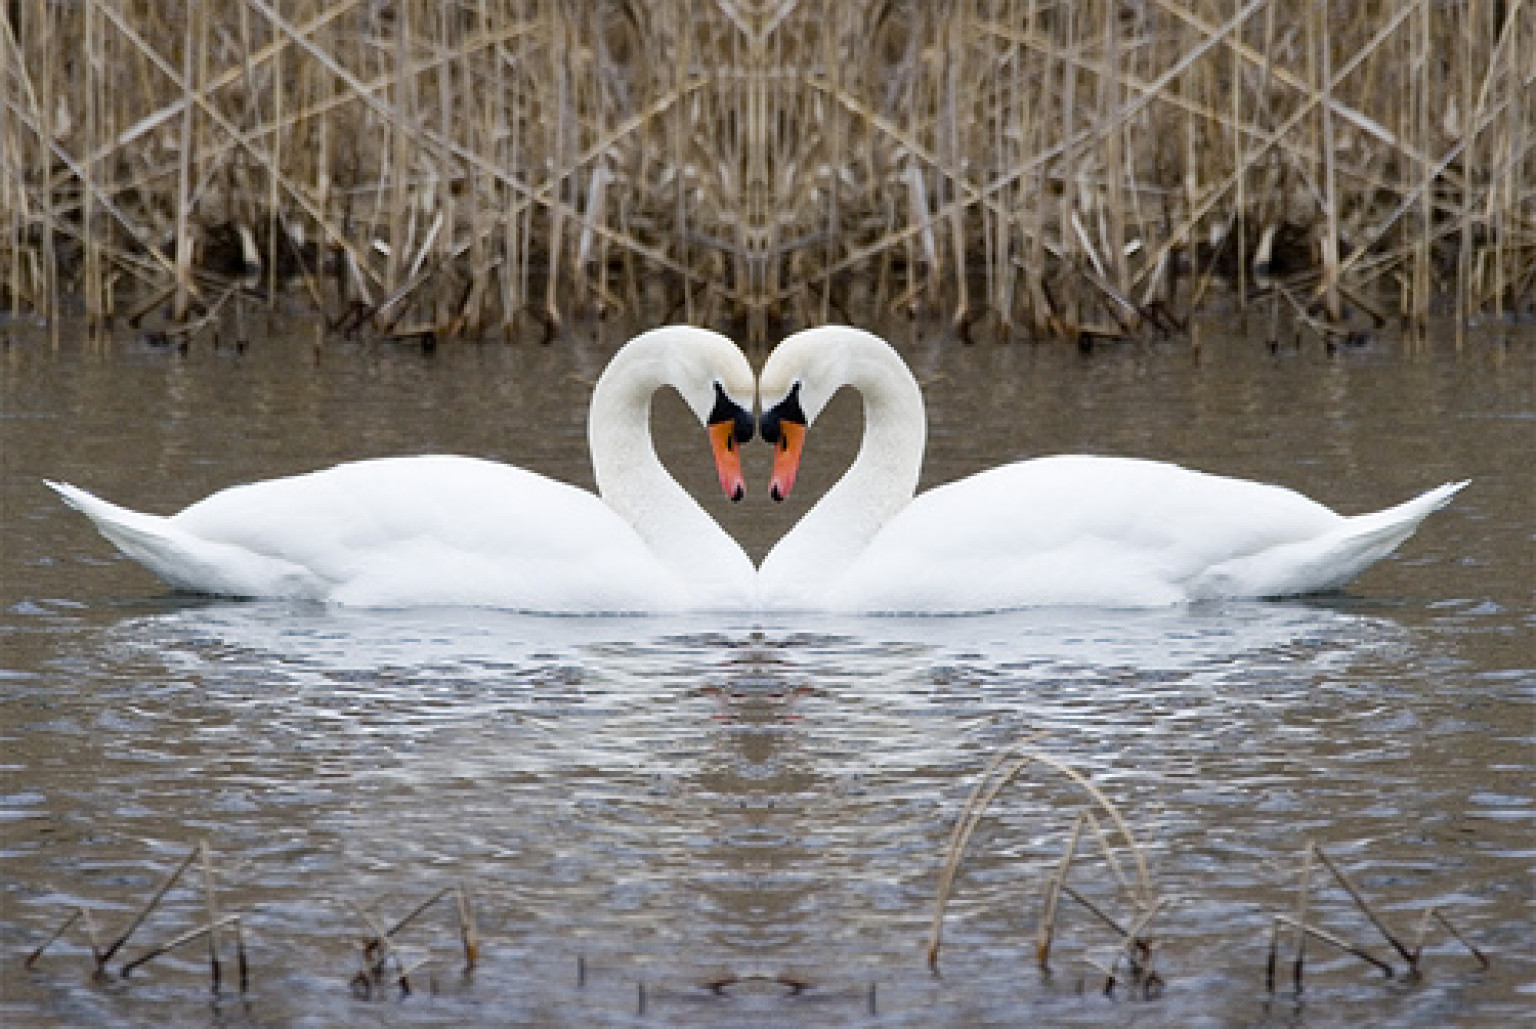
<point x="722" y="440"/>
<point x="786" y="458"/>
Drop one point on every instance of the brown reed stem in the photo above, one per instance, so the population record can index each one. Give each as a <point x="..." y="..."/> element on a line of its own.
<point x="1053" y="893"/>
<point x="149" y="906"/>
<point x="1339" y="942"/>
<point x="53" y="937"/>
<point x="1361" y="903"/>
<point x="468" y="934"/>
<point x="215" y="972"/>
<point x="1482" y="959"/>
<point x="173" y="943"/>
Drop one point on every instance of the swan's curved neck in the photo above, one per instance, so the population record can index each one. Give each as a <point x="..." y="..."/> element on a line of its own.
<point x="882" y="478"/>
<point x="630" y="476"/>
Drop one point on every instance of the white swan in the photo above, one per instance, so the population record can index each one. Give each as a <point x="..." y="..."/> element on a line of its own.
<point x="1054" y="530"/>
<point x="408" y="531"/>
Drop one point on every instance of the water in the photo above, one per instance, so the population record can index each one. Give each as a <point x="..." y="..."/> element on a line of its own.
<point x="706" y="822"/>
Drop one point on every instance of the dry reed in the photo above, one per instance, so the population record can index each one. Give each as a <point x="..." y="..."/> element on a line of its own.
<point x="1304" y="930"/>
<point x="100" y="955"/>
<point x="1003" y="769"/>
<point x="1044" y="170"/>
<point x="383" y="962"/>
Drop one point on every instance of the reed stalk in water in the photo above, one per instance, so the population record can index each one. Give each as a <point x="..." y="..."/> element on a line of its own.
<point x="1002" y="770"/>
<point x="1304" y="930"/>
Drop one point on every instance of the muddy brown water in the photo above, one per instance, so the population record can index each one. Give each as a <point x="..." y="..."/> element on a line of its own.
<point x="739" y="821"/>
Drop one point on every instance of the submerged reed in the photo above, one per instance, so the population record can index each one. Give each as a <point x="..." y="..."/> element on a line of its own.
<point x="100" y="955"/>
<point x="1003" y="769"/>
<point x="1303" y="929"/>
<point x="1028" y="168"/>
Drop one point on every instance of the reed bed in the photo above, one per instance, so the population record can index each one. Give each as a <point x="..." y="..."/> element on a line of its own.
<point x="1026" y="168"/>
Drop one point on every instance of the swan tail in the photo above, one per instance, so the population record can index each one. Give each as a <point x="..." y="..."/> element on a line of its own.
<point x="1368" y="538"/>
<point x="185" y="561"/>
<point x="1326" y="562"/>
<point x="1407" y="515"/>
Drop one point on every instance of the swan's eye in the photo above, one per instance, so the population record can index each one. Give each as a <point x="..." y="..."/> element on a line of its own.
<point x="727" y="410"/>
<point x="786" y="410"/>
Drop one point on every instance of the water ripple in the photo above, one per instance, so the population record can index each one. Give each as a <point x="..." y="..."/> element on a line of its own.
<point x="669" y="798"/>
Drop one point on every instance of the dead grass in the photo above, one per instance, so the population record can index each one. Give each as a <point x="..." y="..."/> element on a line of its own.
<point x="1027" y="168"/>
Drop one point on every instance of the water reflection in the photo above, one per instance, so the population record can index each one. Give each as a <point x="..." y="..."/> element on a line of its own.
<point x="678" y="801"/>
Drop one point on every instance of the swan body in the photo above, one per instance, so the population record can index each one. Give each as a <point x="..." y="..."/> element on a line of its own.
<point x="1068" y="529"/>
<point x="431" y="530"/>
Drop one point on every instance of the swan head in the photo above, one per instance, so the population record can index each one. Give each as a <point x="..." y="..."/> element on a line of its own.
<point x="730" y="425"/>
<point x="783" y="425"/>
<point x="713" y="377"/>
<point x="799" y="379"/>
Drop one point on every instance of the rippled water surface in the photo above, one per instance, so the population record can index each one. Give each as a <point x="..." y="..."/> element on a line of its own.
<point x="739" y="822"/>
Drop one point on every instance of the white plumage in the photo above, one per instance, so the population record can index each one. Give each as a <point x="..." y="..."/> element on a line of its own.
<point x="409" y="531"/>
<point x="1054" y="530"/>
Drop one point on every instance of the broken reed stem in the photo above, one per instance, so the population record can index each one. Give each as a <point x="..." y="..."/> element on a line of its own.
<point x="1482" y="959"/>
<point x="1095" y="910"/>
<point x="242" y="965"/>
<point x="419" y="909"/>
<point x="1274" y="955"/>
<point x="468" y="934"/>
<point x="1360" y="902"/>
<point x="215" y="971"/>
<point x="143" y="913"/>
<point x="74" y="917"/>
<point x="1342" y="944"/>
<point x="1303" y="896"/>
<point x="1053" y="893"/>
<point x="187" y="937"/>
<point x="986" y="790"/>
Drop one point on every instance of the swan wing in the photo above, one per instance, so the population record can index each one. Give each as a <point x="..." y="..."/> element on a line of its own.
<point x="401" y="531"/>
<point x="1111" y="531"/>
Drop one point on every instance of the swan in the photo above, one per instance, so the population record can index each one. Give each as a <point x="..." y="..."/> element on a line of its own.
<point x="1070" y="529"/>
<point x="439" y="529"/>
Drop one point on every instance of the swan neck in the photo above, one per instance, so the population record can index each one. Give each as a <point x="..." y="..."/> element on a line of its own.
<point x="884" y="474"/>
<point x="632" y="480"/>
<point x="628" y="472"/>
<point x="877" y="486"/>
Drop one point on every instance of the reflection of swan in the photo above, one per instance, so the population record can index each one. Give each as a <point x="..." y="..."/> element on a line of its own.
<point x="1054" y="530"/>
<point x="457" y="530"/>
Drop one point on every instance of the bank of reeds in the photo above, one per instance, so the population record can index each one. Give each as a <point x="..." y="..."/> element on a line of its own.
<point x="1030" y="168"/>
